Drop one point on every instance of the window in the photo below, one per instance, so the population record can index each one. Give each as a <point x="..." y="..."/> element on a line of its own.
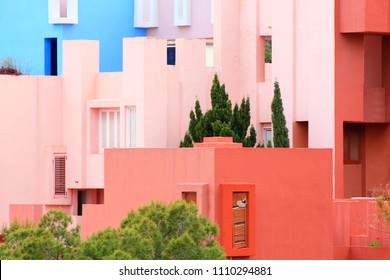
<point x="130" y="127"/>
<point x="189" y="197"/>
<point x="171" y="55"/>
<point x="209" y="53"/>
<point x="63" y="8"/>
<point x="182" y="12"/>
<point x="240" y="224"/>
<point x="267" y="137"/>
<point x="352" y="144"/>
<point x="268" y="50"/>
<point x="59" y="175"/>
<point x="108" y="129"/>
<point x="238" y="221"/>
<point x="51" y="61"/>
<point x="63" y="11"/>
<point x="145" y="13"/>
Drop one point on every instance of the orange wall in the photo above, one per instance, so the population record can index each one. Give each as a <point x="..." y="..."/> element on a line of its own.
<point x="358" y="223"/>
<point x="293" y="198"/>
<point x="293" y="192"/>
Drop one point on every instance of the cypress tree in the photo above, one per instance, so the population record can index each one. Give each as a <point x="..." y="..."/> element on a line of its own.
<point x="280" y="131"/>
<point x="220" y="120"/>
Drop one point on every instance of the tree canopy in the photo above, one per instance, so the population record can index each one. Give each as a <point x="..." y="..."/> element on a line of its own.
<point x="153" y="232"/>
<point x="53" y="239"/>
<point x="221" y="119"/>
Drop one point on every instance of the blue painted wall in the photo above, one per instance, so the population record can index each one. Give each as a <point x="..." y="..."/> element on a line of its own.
<point x="24" y="27"/>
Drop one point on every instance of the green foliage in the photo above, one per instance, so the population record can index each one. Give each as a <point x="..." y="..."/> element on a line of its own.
<point x="175" y="231"/>
<point x="268" y="51"/>
<point x="53" y="239"/>
<point x="157" y="232"/>
<point x="220" y="120"/>
<point x="375" y="244"/>
<point x="280" y="131"/>
<point x="187" y="142"/>
<point x="154" y="232"/>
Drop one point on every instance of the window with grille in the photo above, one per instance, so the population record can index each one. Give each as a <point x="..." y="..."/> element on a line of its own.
<point x="59" y="175"/>
<point x="109" y="129"/>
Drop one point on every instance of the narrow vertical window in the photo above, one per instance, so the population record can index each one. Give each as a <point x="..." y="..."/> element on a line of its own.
<point x="130" y="127"/>
<point x="182" y="12"/>
<point x="109" y="129"/>
<point x="59" y="175"/>
<point x="209" y="53"/>
<point x="352" y="135"/>
<point x="63" y="8"/>
<point x="240" y="224"/>
<point x="267" y="136"/>
<point x="145" y="13"/>
<point x="171" y="55"/>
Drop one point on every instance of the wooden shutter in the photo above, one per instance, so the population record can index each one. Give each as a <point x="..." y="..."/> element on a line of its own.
<point x="240" y="225"/>
<point x="59" y="175"/>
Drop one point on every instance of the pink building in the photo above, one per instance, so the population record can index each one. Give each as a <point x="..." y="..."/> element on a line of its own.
<point x="331" y="63"/>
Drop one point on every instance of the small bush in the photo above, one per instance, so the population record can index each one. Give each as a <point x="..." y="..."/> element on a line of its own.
<point x="9" y="67"/>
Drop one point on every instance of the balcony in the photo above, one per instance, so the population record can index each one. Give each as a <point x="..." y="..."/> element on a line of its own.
<point x="365" y="16"/>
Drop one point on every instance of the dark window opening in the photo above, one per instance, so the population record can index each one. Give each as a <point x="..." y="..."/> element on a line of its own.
<point x="189" y="197"/>
<point x="81" y="199"/>
<point x="352" y="143"/>
<point x="51" y="60"/>
<point x="268" y="50"/>
<point x="171" y="55"/>
<point x="63" y="8"/>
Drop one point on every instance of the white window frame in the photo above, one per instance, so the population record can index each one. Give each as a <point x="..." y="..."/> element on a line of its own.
<point x="266" y="130"/>
<point x="145" y="13"/>
<point x="131" y="127"/>
<point x="105" y="125"/>
<point x="182" y="12"/>
<point x="54" y="9"/>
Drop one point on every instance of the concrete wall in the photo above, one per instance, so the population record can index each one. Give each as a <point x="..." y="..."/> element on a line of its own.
<point x="25" y="26"/>
<point x="293" y="201"/>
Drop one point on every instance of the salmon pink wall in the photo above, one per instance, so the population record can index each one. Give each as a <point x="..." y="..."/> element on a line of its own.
<point x="293" y="201"/>
<point x="31" y="123"/>
<point x="135" y="177"/>
<point x="358" y="223"/>
<point x="293" y="198"/>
